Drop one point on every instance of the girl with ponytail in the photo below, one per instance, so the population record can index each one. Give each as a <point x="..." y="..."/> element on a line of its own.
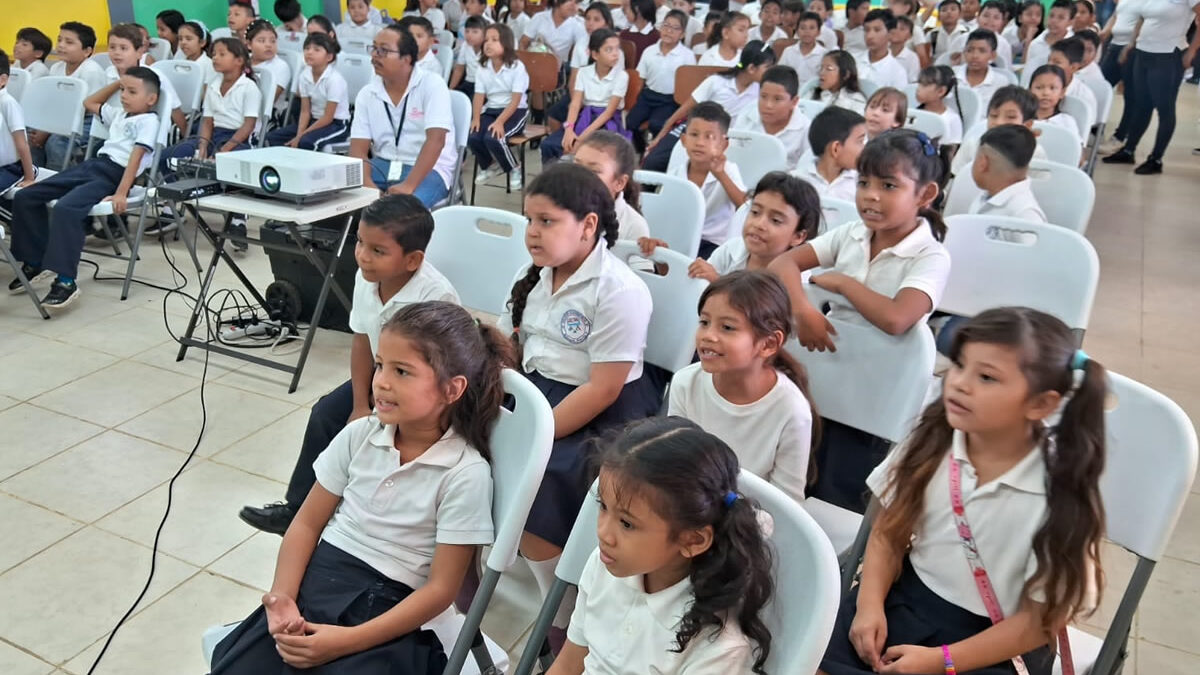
<point x="676" y="540"/>
<point x="988" y="541"/>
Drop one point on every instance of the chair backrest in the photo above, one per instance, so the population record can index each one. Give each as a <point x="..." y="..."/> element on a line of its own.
<point x="803" y="609"/>
<point x="780" y="45"/>
<point x="1065" y="193"/>
<point x="356" y="47"/>
<point x="542" y="68"/>
<point x="266" y="87"/>
<point x="471" y="247"/>
<point x="874" y="382"/>
<point x="222" y="32"/>
<point x="1060" y="145"/>
<point x="755" y="154"/>
<point x="986" y="251"/>
<point x="930" y="124"/>
<point x="675" y="212"/>
<point x="295" y="61"/>
<point x="188" y="79"/>
<point x="687" y="78"/>
<point x="356" y="69"/>
<point x="807" y="88"/>
<point x="160" y="49"/>
<point x="810" y="108"/>
<point x="836" y="212"/>
<point x="1103" y="92"/>
<point x="18" y="80"/>
<point x="101" y="59"/>
<point x="1081" y="112"/>
<point x="289" y="45"/>
<point x="633" y="90"/>
<point x="629" y="51"/>
<point x="868" y="88"/>
<point x="670" y="342"/>
<point x="445" y="57"/>
<point x="971" y="108"/>
<point x="1008" y="75"/>
<point x="445" y="37"/>
<point x="55" y="104"/>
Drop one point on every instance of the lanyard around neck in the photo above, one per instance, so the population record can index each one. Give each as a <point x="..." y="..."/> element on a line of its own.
<point x="399" y="129"/>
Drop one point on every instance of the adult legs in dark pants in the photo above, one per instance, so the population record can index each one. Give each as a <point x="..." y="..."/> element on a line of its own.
<point x="1116" y="72"/>
<point x="652" y="108"/>
<point x="1158" y="78"/>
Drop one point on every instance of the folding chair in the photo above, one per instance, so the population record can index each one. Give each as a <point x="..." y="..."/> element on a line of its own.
<point x="481" y="263"/>
<point x="836" y="212"/>
<point x="16" y="267"/>
<point x="356" y="48"/>
<point x="543" y="69"/>
<point x="460" y="110"/>
<point x="160" y="49"/>
<point x="930" y="124"/>
<point x="18" y="80"/>
<point x="1066" y="194"/>
<point x="1082" y="113"/>
<point x="807" y="88"/>
<point x="266" y="87"/>
<point x="811" y="108"/>
<point x="295" y="61"/>
<point x="102" y="59"/>
<point x="1008" y="74"/>
<point x="55" y="105"/>
<point x="670" y="342"/>
<point x="357" y="70"/>
<point x="868" y="88"/>
<point x="188" y="79"/>
<point x="1104" y="99"/>
<point x="1060" y="145"/>
<point x="687" y="78"/>
<point x="675" y="209"/>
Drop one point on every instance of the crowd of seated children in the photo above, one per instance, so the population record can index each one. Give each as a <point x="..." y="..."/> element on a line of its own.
<point x="728" y="38"/>
<point x="805" y="56"/>
<point x="908" y="23"/>
<point x="837" y="137"/>
<point x="476" y="8"/>
<point x="976" y="72"/>
<point x="1058" y="27"/>
<point x="886" y="109"/>
<point x="1010" y="105"/>
<point x="324" y="97"/>
<point x="876" y="63"/>
<point x="656" y="101"/>
<point x="837" y="84"/>
<point x="852" y="38"/>
<point x="935" y="85"/>
<point x="950" y="26"/>
<point x="776" y="114"/>
<point x="693" y="26"/>
<point x="595" y="17"/>
<point x="824" y="10"/>
<point x="705" y="139"/>
<point x="992" y="18"/>
<point x="125" y="49"/>
<point x="500" y="107"/>
<point x="512" y="14"/>
<point x="76" y="43"/>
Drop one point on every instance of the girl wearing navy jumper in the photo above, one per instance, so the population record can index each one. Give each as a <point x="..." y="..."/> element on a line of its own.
<point x="324" y="100"/>
<point x="501" y="106"/>
<point x="402" y="500"/>
<point x="597" y="99"/>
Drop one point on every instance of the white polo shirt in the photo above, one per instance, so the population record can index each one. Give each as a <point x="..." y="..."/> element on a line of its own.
<point x="37" y="68"/>
<point x="558" y="38"/>
<point x="828" y="38"/>
<point x="330" y="87"/>
<point x="723" y="91"/>
<point x="424" y="105"/>
<point x="1164" y="25"/>
<point x="598" y="90"/>
<point x="918" y="36"/>
<point x="1014" y="201"/>
<point x="844" y="98"/>
<point x="12" y="120"/>
<point x="368" y="313"/>
<point x="694" y="27"/>
<point x="436" y="17"/>
<point x="282" y="73"/>
<point x="886" y="72"/>
<point x="807" y="66"/>
<point x="712" y="57"/>
<point x="985" y="89"/>
<point x="632" y="224"/>
<point x="498" y="86"/>
<point x="854" y="41"/>
<point x="430" y="62"/>
<point x="392" y="515"/>
<point x="518" y="24"/>
<point x="771" y="436"/>
<point x="778" y="34"/>
<point x="911" y="63"/>
<point x="1126" y="22"/>
<point x="794" y="135"/>
<point x="843" y="187"/>
<point x="126" y="132"/>
<point x="658" y="69"/>
<point x="349" y="30"/>
<point x="718" y="210"/>
<point x="954" y="126"/>
<point x="601" y="314"/>
<point x="89" y="71"/>
<point x="730" y="256"/>
<point x="230" y="110"/>
<point x="918" y="261"/>
<point x="1039" y="51"/>
<point x="627" y="630"/>
<point x="942" y="40"/>
<point x="468" y="58"/>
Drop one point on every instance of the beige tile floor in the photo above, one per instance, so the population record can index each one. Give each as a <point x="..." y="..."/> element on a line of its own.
<point x="96" y="416"/>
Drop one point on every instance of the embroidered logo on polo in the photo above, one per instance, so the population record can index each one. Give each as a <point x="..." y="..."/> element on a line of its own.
<point x="575" y="326"/>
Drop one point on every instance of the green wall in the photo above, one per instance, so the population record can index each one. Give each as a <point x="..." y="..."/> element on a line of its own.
<point x="211" y="12"/>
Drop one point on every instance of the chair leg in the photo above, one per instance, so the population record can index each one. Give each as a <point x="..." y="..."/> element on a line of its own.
<point x="474" y="174"/>
<point x="24" y="281"/>
<point x="134" y="244"/>
<point x="541" y="627"/>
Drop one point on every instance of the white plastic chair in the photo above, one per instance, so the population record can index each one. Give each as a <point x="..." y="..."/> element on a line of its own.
<point x="160" y="49"/>
<point x="755" y="155"/>
<point x="296" y="46"/>
<point x="357" y="71"/>
<point x="810" y="108"/>
<point x="670" y="342"/>
<point x="460" y="110"/>
<point x="18" y="80"/>
<point x="868" y="88"/>
<point x="266" y="87"/>
<point x="675" y="212"/>
<point x="807" y="88"/>
<point x="836" y="212"/>
<point x="222" y="32"/>
<point x="971" y="108"/>
<point x="1009" y="75"/>
<point x="481" y="264"/>
<point x="1060" y="145"/>
<point x="1104" y="94"/>
<point x="444" y="37"/>
<point x="445" y="57"/>
<point x="101" y="59"/>
<point x="1066" y="194"/>
<point x="930" y="124"/>
<point x="1082" y="113"/>
<point x="188" y="79"/>
<point x="55" y="105"/>
<point x="16" y="268"/>
<point x="295" y="61"/>
<point x="355" y="47"/>
<point x="986" y="253"/>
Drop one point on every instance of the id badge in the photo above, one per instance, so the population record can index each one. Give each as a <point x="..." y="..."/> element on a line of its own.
<point x="395" y="171"/>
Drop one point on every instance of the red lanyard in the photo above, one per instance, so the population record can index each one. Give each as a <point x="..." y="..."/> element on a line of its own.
<point x="982" y="582"/>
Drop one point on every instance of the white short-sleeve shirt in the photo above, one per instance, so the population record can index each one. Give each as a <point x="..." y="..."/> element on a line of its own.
<point x="1164" y="25"/>
<point x="1079" y="89"/>
<point x="436" y="17"/>
<point x="392" y="515"/>
<point x="1015" y="201"/>
<point x="12" y="120"/>
<point x="954" y="126"/>
<point x="911" y="63"/>
<point x="1003" y="48"/>
<point x="985" y="89"/>
<point x="91" y="72"/>
<point x="627" y="630"/>
<point x="1127" y="19"/>
<point x="368" y="313"/>
<point x="918" y="261"/>
<point x="658" y="69"/>
<point x="843" y="187"/>
<point x="941" y="39"/>
<point x="37" y="68"/>
<point x="794" y="134"/>
<point x="281" y="72"/>
<point x="430" y="63"/>
<point x="166" y="91"/>
<point x="718" y="209"/>
<point x="844" y="98"/>
<point x="807" y="66"/>
<point x="349" y="30"/>
<point x="771" y="436"/>
<point x="518" y="23"/>
<point x="498" y="86"/>
<point x="712" y="57"/>
<point x="598" y="90"/>
<point x="468" y="58"/>
<point x="632" y="224"/>
<point x="331" y="86"/>
<point x="886" y="72"/>
<point x="424" y="105"/>
<point x="558" y="38"/>
<point x="730" y="257"/>
<point x="723" y="91"/>
<point x="230" y="110"/>
<point x="828" y="38"/>
<point x="1064" y="121"/>
<point x="601" y="314"/>
<point x="854" y="41"/>
<point x="125" y="132"/>
<point x="778" y="34"/>
<point x="1038" y="53"/>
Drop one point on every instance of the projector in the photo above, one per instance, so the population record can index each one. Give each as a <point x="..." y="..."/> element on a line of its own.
<point x="289" y="174"/>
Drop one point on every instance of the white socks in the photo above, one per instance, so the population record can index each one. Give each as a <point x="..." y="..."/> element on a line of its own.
<point x="543" y="573"/>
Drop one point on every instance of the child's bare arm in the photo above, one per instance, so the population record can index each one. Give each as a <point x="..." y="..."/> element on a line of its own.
<point x="893" y="316"/>
<point x="21" y="143"/>
<point x="569" y="660"/>
<point x="120" y="196"/>
<point x="96" y="101"/>
<point x="242" y="135"/>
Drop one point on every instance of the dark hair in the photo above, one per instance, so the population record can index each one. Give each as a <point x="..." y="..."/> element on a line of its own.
<point x="85" y="33"/>
<point x="794" y="6"/>
<point x="1014" y="142"/>
<point x="406" y="44"/>
<point x="5" y="66"/>
<point x="943" y="76"/>
<point x="680" y="16"/>
<point x="1011" y="93"/>
<point x="710" y="111"/>
<point x="147" y="76"/>
<point x="411" y="20"/>
<point x="1089" y="35"/>
<point x="475" y="21"/>
<point x="847" y="72"/>
<point x="686" y="475"/>
<point x="832" y="124"/>
<point x="240" y="51"/>
<point x="404" y="217"/>
<point x="983" y="35"/>
<point x="324" y="23"/>
<point x="507" y="41"/>
<point x="1064" y="4"/>
<point x="259" y="26"/>
<point x="605" y="13"/>
<point x="999" y="6"/>
<point x="1087" y="4"/>
<point x="455" y="344"/>
<point x="575" y="189"/>
<point x="481" y="2"/>
<point x="244" y="4"/>
<point x="171" y="18"/>
<point x="1073" y="451"/>
<point x="1071" y="47"/>
<point x="810" y="16"/>
<point x="1050" y="69"/>
<point x="324" y="42"/>
<point x="909" y="152"/>
<point x="906" y="21"/>
<point x="884" y="15"/>
<point x="784" y="76"/>
<point x="641" y="8"/>
<point x="898" y="97"/>
<point x="755" y="53"/>
<point x="621" y="151"/>
<point x="597" y="39"/>
<point x="853" y="5"/>
<point x="943" y="3"/>
<point x="127" y="31"/>
<point x="777" y="3"/>
<point x="1040" y="7"/>
<point x="36" y="39"/>
<point x="287" y="10"/>
<point x="201" y="33"/>
<point x="798" y="194"/>
<point x="725" y="21"/>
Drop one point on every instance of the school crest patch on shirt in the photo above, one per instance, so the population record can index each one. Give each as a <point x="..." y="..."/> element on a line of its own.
<point x="575" y="326"/>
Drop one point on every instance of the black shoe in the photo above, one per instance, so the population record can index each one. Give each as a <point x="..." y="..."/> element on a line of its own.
<point x="237" y="226"/>
<point x="274" y="518"/>
<point x="1149" y="167"/>
<point x="33" y="274"/>
<point x="61" y="295"/>
<point x="1121" y="156"/>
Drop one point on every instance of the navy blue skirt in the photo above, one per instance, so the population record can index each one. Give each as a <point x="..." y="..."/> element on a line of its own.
<point x="570" y="470"/>
<point x="918" y="616"/>
<point x="339" y="589"/>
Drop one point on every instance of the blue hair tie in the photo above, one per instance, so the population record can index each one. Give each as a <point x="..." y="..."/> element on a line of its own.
<point x="1079" y="360"/>
<point x="927" y="144"/>
<point x="730" y="498"/>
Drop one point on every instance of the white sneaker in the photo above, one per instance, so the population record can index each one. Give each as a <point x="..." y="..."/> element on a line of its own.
<point x="487" y="174"/>
<point x="514" y="179"/>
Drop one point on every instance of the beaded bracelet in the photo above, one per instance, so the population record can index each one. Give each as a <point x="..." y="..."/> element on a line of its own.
<point x="949" y="661"/>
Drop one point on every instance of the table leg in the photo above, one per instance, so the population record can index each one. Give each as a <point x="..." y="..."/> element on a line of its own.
<point x="325" y="284"/>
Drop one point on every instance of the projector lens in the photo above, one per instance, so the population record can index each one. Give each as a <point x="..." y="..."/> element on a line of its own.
<point x="268" y="179"/>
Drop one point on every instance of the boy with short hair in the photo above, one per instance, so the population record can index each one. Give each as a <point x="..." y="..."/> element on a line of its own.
<point x="1010" y="104"/>
<point x="1001" y="170"/>
<point x="125" y="48"/>
<point x="970" y="14"/>
<point x="30" y="52"/>
<point x="992" y="17"/>
<point x="421" y="31"/>
<point x="50" y="239"/>
<point x="76" y="42"/>
<point x="239" y="17"/>
<point x="466" y="62"/>
<point x="358" y="24"/>
<point x="805" y="56"/>
<point x="877" y="64"/>
<point x="789" y="18"/>
<point x="1090" y="72"/>
<point x="1068" y="54"/>
<point x="293" y="28"/>
<point x="1058" y="27"/>
<point x="837" y="137"/>
<point x="770" y="14"/>
<point x="776" y="114"/>
<point x="853" y="39"/>
<point x="976" y="72"/>
<point x="16" y="162"/>
<point x="898" y="39"/>
<point x="705" y="139"/>
<point x="950" y="27"/>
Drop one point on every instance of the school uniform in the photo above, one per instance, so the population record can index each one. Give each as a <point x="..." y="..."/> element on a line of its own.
<point x="580" y="56"/>
<point x="778" y="34"/>
<point x="642" y="39"/>
<point x="1004" y="56"/>
<point x="467" y="57"/>
<point x="368" y="314"/>
<point x="828" y="38"/>
<point x="712" y="57"/>
<point x="53" y="238"/>
<point x="911" y="63"/>
<point x="1093" y="74"/>
<point x="844" y="98"/>
<point x="886" y="72"/>
<point x="1015" y="201"/>
<point x="559" y="38"/>
<point x="854" y="41"/>
<point x="205" y="63"/>
<point x="1038" y="53"/>
<point x="1081" y="91"/>
<point x="397" y="132"/>
<point x="1012" y="35"/>
<point x="436" y="17"/>
<point x="1064" y="121"/>
<point x="940" y="39"/>
<point x="597" y="92"/>
<point x="960" y="167"/>
<point x="627" y="630"/>
<point x="330" y="87"/>
<point x="918" y="36"/>
<point x="843" y="187"/>
<point x="92" y="75"/>
<point x="717" y="88"/>
<point x="600" y="314"/>
<point x="632" y="225"/>
<point x="36" y="68"/>
<point x="12" y="121"/>
<point x="364" y="32"/>
<point x="718" y="209"/>
<point x="807" y="66"/>
<point x="378" y="546"/>
<point x="656" y="103"/>
<point x="771" y="436"/>
<point x="731" y="256"/>
<point x="793" y="136"/>
<point x="954" y="126"/>
<point x="936" y="600"/>
<point x="693" y="28"/>
<point x="497" y="87"/>
<point x="228" y="111"/>
<point x="281" y="73"/>
<point x="518" y="23"/>
<point x="985" y="89"/>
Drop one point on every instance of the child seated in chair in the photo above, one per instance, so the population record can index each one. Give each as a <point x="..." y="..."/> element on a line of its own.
<point x="705" y="140"/>
<point x="776" y="113"/>
<point x="1001" y="170"/>
<point x="49" y="240"/>
<point x="836" y="137"/>
<point x="422" y="31"/>
<point x="1010" y="105"/>
<point x="76" y="44"/>
<point x="16" y="162"/>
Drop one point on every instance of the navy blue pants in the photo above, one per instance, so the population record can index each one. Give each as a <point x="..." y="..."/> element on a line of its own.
<point x="10" y="175"/>
<point x="653" y="108"/>
<point x="52" y="238"/>
<point x="1157" y="78"/>
<point x="326" y="420"/>
<point x="1116" y="72"/>
<point x="337" y="131"/>
<point x="487" y="147"/>
<point x="187" y="149"/>
<point x="660" y="157"/>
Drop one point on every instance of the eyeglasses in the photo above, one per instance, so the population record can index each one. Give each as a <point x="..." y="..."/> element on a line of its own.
<point x="382" y="51"/>
<point x="829" y="68"/>
<point x="670" y="27"/>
